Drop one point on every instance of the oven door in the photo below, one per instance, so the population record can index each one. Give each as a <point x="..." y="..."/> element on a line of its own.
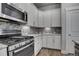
<point x="27" y="50"/>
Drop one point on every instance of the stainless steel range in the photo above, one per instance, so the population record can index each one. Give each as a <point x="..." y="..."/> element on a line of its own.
<point x="19" y="45"/>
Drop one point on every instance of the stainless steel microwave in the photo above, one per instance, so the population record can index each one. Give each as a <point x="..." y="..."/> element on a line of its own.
<point x="12" y="12"/>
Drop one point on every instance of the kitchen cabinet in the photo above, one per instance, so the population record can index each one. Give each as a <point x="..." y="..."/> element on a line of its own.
<point x="44" y="41"/>
<point x="55" y="18"/>
<point x="53" y="42"/>
<point x="37" y="18"/>
<point x="32" y="16"/>
<point x="40" y="19"/>
<point x="3" y="52"/>
<point x="50" y="18"/>
<point x="31" y="13"/>
<point x="47" y="18"/>
<point x="37" y="45"/>
<point x="50" y="42"/>
<point x="58" y="42"/>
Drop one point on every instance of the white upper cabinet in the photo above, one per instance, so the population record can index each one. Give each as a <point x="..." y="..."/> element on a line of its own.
<point x="32" y="16"/>
<point x="31" y="13"/>
<point x="47" y="18"/>
<point x="50" y="18"/>
<point x="38" y="18"/>
<point x="55" y="18"/>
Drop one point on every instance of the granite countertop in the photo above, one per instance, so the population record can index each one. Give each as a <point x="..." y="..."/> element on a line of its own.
<point x="36" y="35"/>
<point x="9" y="34"/>
<point x="5" y="41"/>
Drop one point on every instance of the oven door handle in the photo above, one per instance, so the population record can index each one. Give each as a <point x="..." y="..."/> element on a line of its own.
<point x="15" y="51"/>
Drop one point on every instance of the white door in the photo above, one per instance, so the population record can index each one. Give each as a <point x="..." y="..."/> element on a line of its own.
<point x="72" y="27"/>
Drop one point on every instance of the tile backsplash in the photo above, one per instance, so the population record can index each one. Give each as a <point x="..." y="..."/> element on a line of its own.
<point x="35" y="30"/>
<point x="29" y="30"/>
<point x="9" y="26"/>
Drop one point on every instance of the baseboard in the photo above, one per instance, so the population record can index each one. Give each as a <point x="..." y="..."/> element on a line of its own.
<point x="50" y="48"/>
<point x="38" y="52"/>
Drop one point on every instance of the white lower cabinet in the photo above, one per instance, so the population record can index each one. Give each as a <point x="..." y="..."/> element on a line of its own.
<point x="53" y="42"/>
<point x="50" y="42"/>
<point x="3" y="52"/>
<point x="37" y="45"/>
<point x="57" y="42"/>
<point x="44" y="38"/>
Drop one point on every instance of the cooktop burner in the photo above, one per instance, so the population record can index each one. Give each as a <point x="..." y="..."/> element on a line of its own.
<point x="15" y="39"/>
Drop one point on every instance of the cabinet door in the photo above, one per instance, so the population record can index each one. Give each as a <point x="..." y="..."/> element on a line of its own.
<point x="40" y="19"/>
<point x="50" y="42"/>
<point x="31" y="13"/>
<point x="36" y="48"/>
<point x="3" y="52"/>
<point x="46" y="17"/>
<point x="38" y="44"/>
<point x="36" y="20"/>
<point x="56" y="18"/>
<point x="44" y="38"/>
<point x="57" y="42"/>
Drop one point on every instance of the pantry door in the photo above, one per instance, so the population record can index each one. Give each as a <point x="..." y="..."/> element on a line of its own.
<point x="72" y="27"/>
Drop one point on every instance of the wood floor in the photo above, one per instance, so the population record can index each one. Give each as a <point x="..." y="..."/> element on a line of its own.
<point x="49" y="52"/>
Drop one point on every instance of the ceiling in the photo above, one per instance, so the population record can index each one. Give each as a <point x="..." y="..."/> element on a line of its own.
<point x="46" y="6"/>
<point x="39" y="5"/>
